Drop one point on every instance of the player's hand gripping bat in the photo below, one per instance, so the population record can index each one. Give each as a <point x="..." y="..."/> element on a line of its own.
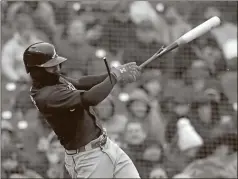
<point x="186" y="38"/>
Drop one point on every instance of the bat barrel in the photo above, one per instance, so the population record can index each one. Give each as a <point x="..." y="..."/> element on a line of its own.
<point x="199" y="30"/>
<point x="186" y="38"/>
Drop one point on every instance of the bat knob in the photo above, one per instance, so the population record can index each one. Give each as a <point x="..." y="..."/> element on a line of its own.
<point x="104" y="58"/>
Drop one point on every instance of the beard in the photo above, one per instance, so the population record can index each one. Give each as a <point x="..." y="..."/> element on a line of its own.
<point x="43" y="78"/>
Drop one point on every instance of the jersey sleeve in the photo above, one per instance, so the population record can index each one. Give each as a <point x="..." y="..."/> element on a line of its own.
<point x="64" y="98"/>
<point x="87" y="82"/>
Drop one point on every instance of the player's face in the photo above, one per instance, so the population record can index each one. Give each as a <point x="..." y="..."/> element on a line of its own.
<point x="54" y="69"/>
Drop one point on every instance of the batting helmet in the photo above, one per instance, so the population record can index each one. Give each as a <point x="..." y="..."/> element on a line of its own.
<point x="41" y="54"/>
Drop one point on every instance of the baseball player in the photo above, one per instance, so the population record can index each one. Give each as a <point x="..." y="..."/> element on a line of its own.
<point x="67" y="105"/>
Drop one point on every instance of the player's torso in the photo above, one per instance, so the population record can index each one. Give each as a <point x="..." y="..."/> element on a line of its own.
<point x="74" y="127"/>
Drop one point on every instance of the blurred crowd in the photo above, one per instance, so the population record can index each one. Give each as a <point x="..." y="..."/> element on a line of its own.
<point x="178" y="121"/>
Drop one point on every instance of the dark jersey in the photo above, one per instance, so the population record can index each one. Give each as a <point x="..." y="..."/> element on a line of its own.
<point x="73" y="121"/>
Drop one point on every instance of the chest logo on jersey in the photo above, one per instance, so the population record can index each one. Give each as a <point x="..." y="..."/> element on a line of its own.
<point x="71" y="87"/>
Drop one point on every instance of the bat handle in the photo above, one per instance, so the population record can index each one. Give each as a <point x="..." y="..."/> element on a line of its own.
<point x="161" y="53"/>
<point x="149" y="60"/>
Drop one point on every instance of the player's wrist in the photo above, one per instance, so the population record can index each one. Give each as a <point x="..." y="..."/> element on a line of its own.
<point x="113" y="75"/>
<point x="116" y="73"/>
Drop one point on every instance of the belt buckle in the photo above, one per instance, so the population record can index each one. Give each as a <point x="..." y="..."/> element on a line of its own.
<point x="72" y="152"/>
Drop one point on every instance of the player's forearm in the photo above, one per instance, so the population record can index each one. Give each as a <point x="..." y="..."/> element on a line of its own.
<point x="87" y="82"/>
<point x="99" y="92"/>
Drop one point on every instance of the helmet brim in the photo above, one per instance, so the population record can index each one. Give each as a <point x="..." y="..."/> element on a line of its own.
<point x="53" y="62"/>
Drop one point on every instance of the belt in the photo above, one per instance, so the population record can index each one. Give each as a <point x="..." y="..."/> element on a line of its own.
<point x="100" y="141"/>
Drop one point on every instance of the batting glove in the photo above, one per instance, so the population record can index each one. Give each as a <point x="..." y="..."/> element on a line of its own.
<point x="126" y="73"/>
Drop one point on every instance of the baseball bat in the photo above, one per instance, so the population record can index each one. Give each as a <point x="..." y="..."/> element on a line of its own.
<point x="186" y="38"/>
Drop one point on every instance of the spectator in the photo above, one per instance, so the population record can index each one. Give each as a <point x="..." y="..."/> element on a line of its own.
<point x="10" y="163"/>
<point x="153" y="155"/>
<point x="42" y="14"/>
<point x="13" y="158"/>
<point x="16" y="165"/>
<point x="6" y="134"/>
<point x="205" y="116"/>
<point x="112" y="121"/>
<point x="218" y="159"/>
<point x="136" y="142"/>
<point x="35" y="142"/>
<point x="222" y="145"/>
<point x="95" y="32"/>
<point x="197" y="75"/>
<point x="6" y="30"/>
<point x="152" y="82"/>
<point x="145" y="46"/>
<point x="62" y="12"/>
<point x="119" y="30"/>
<point x="183" y="149"/>
<point x="13" y="67"/>
<point x="229" y="79"/>
<point x="177" y="25"/>
<point x="83" y="59"/>
<point x="229" y="84"/>
<point x="22" y="103"/>
<point x="140" y="108"/>
<point x="214" y="91"/>
<point x="181" y="100"/>
<point x="158" y="172"/>
<point x="220" y="33"/>
<point x="206" y="49"/>
<point x="169" y="91"/>
<point x="55" y="156"/>
<point x="143" y="11"/>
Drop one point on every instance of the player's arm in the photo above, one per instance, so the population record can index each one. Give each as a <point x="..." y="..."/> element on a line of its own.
<point x="99" y="92"/>
<point x="64" y="98"/>
<point x="87" y="82"/>
<point x="125" y="73"/>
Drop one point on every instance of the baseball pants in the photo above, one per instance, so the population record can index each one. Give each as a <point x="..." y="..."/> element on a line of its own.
<point x="108" y="161"/>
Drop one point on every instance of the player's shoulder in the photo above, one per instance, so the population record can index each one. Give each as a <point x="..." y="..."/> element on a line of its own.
<point x="46" y="92"/>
